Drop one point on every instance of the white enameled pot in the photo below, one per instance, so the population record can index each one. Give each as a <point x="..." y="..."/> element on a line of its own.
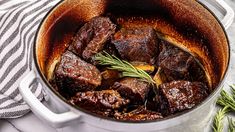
<point x="59" y="114"/>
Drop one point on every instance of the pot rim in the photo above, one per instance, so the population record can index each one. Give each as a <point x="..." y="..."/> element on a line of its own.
<point x="166" y="119"/>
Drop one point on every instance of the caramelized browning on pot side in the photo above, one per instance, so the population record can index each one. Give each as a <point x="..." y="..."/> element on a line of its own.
<point x="145" y="33"/>
<point x="90" y="85"/>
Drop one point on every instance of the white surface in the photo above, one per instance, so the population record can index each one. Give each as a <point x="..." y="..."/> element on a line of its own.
<point x="6" y="126"/>
<point x="30" y="123"/>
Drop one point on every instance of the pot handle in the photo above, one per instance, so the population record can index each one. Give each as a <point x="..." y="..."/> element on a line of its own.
<point x="54" y="119"/>
<point x="225" y="9"/>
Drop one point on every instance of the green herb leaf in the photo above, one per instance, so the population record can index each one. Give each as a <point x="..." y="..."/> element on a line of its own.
<point x="226" y="100"/>
<point x="127" y="69"/>
<point x="231" y="127"/>
<point x="233" y="91"/>
<point x="218" y="120"/>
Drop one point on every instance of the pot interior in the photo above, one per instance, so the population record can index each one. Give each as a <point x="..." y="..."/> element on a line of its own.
<point x="186" y="22"/>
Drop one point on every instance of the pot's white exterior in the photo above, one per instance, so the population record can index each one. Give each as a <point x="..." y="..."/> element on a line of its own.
<point x="195" y="120"/>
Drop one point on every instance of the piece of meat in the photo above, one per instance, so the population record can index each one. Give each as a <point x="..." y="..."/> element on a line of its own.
<point x="151" y="102"/>
<point x="73" y="74"/>
<point x="136" y="44"/>
<point x="140" y="114"/>
<point x="177" y="64"/>
<point x="105" y="100"/>
<point x="110" y="49"/>
<point x="133" y="89"/>
<point x="91" y="38"/>
<point x="177" y="96"/>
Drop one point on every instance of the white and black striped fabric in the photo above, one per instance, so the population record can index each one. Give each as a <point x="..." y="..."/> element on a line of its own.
<point x="19" y="20"/>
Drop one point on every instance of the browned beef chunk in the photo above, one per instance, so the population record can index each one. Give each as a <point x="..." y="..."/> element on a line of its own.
<point x="133" y="89"/>
<point x="92" y="37"/>
<point x="177" y="64"/>
<point x="105" y="100"/>
<point x="180" y="95"/>
<point x="73" y="74"/>
<point x="136" y="44"/>
<point x="140" y="114"/>
<point x="152" y="101"/>
<point x="111" y="49"/>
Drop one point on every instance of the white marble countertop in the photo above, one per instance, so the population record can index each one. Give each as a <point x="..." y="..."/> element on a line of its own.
<point x="30" y="123"/>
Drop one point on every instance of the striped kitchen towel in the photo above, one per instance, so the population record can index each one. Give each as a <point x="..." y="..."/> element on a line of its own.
<point x="19" y="21"/>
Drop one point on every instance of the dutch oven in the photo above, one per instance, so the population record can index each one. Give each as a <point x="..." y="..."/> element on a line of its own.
<point x="186" y="22"/>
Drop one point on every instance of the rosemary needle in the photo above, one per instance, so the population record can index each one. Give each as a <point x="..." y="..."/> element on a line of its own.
<point x="127" y="69"/>
<point x="218" y="120"/>
<point x="226" y="100"/>
<point x="231" y="125"/>
<point x="233" y="90"/>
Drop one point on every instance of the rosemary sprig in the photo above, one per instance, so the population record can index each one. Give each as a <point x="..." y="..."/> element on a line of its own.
<point x="226" y="100"/>
<point x="123" y="66"/>
<point x="233" y="91"/>
<point x="231" y="125"/>
<point x="218" y="120"/>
